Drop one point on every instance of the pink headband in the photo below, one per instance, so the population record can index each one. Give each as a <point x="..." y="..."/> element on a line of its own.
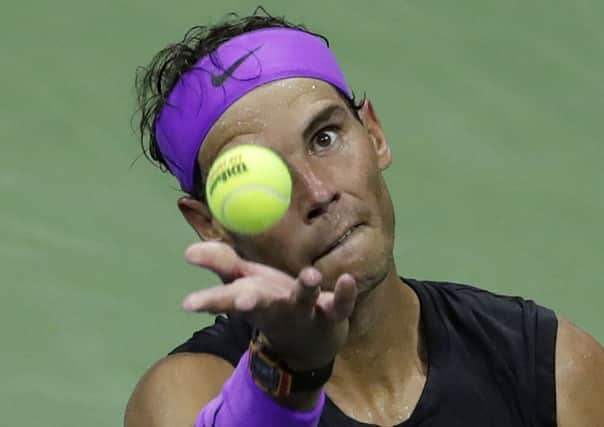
<point x="219" y="79"/>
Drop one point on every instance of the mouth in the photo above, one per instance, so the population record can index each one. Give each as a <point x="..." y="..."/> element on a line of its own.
<point x="337" y="243"/>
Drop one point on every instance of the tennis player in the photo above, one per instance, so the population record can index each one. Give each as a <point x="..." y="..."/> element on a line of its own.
<point x="320" y="328"/>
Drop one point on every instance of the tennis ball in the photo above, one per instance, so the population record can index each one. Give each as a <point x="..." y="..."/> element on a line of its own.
<point x="248" y="188"/>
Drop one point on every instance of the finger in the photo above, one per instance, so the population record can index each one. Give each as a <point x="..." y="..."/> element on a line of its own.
<point x="243" y="295"/>
<point x="217" y="257"/>
<point x="308" y="287"/>
<point x="339" y="304"/>
<point x="219" y="299"/>
<point x="345" y="295"/>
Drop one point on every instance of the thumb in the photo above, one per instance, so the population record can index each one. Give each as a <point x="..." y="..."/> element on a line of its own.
<point x="217" y="257"/>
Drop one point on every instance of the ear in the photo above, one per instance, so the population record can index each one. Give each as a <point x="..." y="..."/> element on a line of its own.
<point x="199" y="217"/>
<point x="376" y="134"/>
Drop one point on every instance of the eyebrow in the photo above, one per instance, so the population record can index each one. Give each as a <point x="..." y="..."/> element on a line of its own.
<point x="321" y="117"/>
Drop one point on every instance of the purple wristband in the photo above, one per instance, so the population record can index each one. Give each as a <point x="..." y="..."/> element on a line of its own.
<point x="242" y="403"/>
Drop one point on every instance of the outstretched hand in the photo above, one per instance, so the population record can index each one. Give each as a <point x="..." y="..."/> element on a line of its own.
<point x="305" y="325"/>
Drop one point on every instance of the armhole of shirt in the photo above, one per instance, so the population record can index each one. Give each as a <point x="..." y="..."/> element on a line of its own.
<point x="545" y="368"/>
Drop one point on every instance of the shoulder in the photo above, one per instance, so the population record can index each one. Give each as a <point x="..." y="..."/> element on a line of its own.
<point x="173" y="390"/>
<point x="227" y="338"/>
<point x="579" y="376"/>
<point x="518" y="332"/>
<point x="482" y="306"/>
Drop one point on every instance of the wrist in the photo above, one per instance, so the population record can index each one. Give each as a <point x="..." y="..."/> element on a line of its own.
<point x="290" y="357"/>
<point x="284" y="377"/>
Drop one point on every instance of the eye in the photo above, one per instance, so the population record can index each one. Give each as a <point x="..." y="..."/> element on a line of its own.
<point x="325" y="138"/>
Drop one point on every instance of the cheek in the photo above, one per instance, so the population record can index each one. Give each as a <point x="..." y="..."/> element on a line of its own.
<point x="361" y="171"/>
<point x="386" y="207"/>
<point x="372" y="188"/>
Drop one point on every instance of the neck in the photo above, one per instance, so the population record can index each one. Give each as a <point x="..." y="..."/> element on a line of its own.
<point x="383" y="344"/>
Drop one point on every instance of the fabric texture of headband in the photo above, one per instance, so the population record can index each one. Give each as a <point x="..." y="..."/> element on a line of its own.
<point x="219" y="79"/>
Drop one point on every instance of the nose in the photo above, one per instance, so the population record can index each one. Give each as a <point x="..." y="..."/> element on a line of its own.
<point x="314" y="193"/>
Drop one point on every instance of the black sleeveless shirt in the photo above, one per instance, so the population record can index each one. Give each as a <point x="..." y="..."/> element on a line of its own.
<point x="490" y="359"/>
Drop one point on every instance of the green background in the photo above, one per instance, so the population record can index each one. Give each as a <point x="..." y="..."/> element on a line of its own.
<point x="493" y="109"/>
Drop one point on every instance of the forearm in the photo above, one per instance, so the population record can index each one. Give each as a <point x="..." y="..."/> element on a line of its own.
<point x="242" y="402"/>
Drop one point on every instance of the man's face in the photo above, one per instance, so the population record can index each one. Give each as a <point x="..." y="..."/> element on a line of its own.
<point x="341" y="217"/>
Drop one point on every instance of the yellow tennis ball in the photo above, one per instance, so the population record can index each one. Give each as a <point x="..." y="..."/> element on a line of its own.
<point x="248" y="188"/>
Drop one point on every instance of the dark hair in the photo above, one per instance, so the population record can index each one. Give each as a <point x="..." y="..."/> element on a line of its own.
<point x="155" y="81"/>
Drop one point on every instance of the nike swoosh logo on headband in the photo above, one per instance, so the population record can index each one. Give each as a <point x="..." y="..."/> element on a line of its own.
<point x="218" y="80"/>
